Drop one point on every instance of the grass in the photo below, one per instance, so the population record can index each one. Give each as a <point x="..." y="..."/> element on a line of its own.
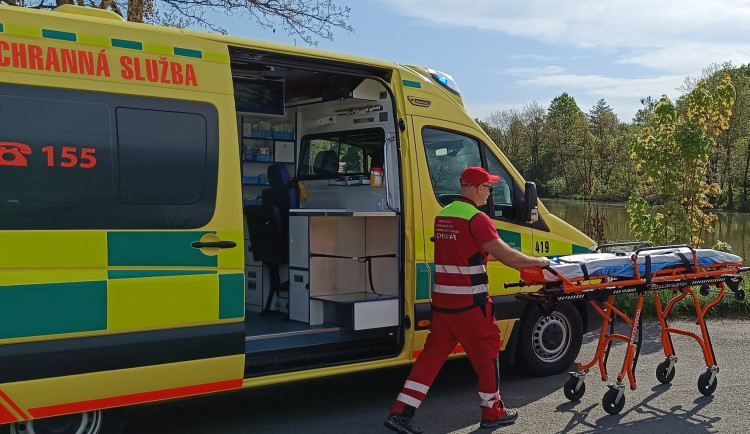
<point x="728" y="307"/>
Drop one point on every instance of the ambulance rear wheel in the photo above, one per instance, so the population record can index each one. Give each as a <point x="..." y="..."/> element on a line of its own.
<point x="548" y="344"/>
<point x="88" y="422"/>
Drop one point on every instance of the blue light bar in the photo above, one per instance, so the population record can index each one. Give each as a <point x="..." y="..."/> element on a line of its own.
<point x="445" y="80"/>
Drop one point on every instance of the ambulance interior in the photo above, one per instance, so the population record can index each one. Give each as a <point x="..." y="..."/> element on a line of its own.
<point x="322" y="210"/>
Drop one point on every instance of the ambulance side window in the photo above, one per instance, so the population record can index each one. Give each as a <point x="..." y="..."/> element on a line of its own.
<point x="333" y="154"/>
<point x="502" y="194"/>
<point x="72" y="159"/>
<point x="448" y="154"/>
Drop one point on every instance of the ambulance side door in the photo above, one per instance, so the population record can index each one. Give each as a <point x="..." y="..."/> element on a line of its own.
<point x="448" y="148"/>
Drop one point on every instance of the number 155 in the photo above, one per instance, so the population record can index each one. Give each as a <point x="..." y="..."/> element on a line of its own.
<point x="69" y="157"/>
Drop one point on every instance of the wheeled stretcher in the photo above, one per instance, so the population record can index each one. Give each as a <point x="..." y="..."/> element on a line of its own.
<point x="599" y="277"/>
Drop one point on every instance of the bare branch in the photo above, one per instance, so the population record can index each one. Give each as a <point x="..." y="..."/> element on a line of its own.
<point x="307" y="19"/>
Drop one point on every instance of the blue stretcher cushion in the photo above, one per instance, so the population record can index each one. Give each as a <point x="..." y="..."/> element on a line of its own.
<point x="601" y="265"/>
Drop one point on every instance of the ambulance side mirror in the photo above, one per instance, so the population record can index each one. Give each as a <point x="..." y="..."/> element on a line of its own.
<point x="530" y="204"/>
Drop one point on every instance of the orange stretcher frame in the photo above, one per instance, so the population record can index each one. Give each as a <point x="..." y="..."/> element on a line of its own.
<point x="601" y="295"/>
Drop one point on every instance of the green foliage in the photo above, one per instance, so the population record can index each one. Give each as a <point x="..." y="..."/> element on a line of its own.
<point x="722" y="246"/>
<point x="553" y="188"/>
<point x="673" y="200"/>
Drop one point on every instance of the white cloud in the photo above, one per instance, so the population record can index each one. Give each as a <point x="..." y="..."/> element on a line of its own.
<point x="606" y="87"/>
<point x="532" y="70"/>
<point x="592" y="23"/>
<point x="690" y="56"/>
<point x="621" y="94"/>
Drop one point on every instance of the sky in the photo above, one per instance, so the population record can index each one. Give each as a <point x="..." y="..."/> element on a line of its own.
<point x="506" y="54"/>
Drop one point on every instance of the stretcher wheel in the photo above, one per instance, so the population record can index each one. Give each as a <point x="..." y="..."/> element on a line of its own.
<point x="662" y="375"/>
<point x="570" y="389"/>
<point x="739" y="295"/>
<point x="609" y="404"/>
<point x="704" y="290"/>
<point x="703" y="386"/>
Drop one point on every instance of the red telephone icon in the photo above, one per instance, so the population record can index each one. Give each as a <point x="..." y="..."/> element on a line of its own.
<point x="12" y="154"/>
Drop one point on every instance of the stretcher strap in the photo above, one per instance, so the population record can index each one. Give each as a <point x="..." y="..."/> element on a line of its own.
<point x="685" y="260"/>
<point x="584" y="270"/>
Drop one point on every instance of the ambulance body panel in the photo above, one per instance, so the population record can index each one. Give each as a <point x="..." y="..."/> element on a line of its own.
<point x="134" y="161"/>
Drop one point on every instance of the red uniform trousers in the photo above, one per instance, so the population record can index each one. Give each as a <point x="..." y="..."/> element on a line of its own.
<point x="476" y="330"/>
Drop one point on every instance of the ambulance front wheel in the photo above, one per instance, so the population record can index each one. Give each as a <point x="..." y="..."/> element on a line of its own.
<point x="88" y="422"/>
<point x="548" y="344"/>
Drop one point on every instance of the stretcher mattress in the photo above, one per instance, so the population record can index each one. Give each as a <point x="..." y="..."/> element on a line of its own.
<point x="600" y="265"/>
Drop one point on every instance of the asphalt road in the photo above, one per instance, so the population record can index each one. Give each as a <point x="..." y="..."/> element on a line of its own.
<point x="358" y="403"/>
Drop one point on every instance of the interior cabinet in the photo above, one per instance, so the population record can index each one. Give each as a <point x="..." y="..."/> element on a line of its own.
<point x="264" y="141"/>
<point x="343" y="268"/>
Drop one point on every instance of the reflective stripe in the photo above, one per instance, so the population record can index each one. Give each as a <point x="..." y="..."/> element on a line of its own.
<point x="460" y="290"/>
<point x="459" y="269"/>
<point x="419" y="387"/>
<point x="408" y="400"/>
<point x="489" y="399"/>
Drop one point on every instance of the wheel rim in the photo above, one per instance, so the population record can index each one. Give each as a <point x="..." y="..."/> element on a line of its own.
<point x="81" y="423"/>
<point x="551" y="337"/>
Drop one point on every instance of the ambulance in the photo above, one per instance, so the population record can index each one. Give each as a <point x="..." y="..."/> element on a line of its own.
<point x="184" y="213"/>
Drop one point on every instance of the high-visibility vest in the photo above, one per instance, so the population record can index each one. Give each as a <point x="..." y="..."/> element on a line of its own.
<point x="460" y="262"/>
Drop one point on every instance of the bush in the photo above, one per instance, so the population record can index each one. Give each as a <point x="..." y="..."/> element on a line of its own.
<point x="554" y="188"/>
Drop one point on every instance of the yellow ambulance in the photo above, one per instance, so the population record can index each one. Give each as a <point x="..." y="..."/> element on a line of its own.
<point x="184" y="213"/>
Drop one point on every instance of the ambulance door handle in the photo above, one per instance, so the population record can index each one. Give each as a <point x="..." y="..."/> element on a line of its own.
<point x="215" y="244"/>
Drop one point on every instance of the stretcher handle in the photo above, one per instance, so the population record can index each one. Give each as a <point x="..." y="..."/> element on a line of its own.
<point x="518" y="284"/>
<point x="676" y="246"/>
<point x="623" y="244"/>
<point x="743" y="269"/>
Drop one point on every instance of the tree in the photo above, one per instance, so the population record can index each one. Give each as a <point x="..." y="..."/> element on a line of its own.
<point x="568" y="143"/>
<point x="511" y="137"/>
<point x="672" y="203"/>
<point x="307" y="19"/>
<point x="534" y="117"/>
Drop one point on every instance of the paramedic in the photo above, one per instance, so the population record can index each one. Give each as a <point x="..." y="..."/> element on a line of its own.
<point x="462" y="311"/>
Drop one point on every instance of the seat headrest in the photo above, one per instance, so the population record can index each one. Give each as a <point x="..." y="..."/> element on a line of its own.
<point x="278" y="175"/>
<point x="326" y="162"/>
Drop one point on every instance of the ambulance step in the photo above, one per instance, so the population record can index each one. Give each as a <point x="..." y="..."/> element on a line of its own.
<point x="319" y="355"/>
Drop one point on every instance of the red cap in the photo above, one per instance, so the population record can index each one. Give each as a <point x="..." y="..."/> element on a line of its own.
<point x="476" y="175"/>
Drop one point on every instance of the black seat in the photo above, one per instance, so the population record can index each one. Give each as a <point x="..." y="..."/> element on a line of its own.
<point x="268" y="226"/>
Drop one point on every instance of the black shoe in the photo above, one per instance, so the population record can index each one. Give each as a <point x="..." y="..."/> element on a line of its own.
<point x="510" y="416"/>
<point x="401" y="424"/>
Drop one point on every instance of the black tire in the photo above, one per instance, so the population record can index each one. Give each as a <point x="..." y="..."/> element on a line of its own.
<point x="570" y="389"/>
<point x="703" y="386"/>
<point x="609" y="404"/>
<point x="739" y="295"/>
<point x="661" y="372"/>
<point x="548" y="345"/>
<point x="89" y="422"/>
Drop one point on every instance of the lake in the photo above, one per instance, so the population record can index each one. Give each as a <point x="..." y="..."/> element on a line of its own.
<point x="731" y="227"/>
